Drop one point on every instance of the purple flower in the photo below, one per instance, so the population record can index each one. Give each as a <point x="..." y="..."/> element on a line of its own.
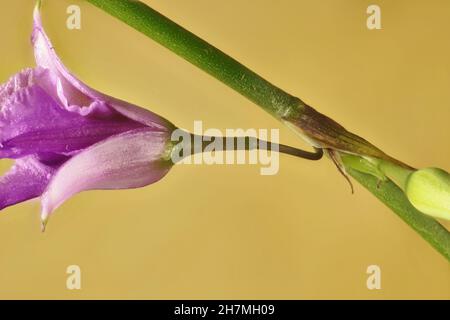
<point x="66" y="137"/>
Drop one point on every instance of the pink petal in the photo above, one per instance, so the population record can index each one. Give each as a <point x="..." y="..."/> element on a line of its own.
<point x="76" y="96"/>
<point x="27" y="179"/>
<point x="129" y="160"/>
<point x="32" y="122"/>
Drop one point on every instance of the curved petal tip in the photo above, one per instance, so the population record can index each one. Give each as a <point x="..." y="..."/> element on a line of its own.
<point x="130" y="160"/>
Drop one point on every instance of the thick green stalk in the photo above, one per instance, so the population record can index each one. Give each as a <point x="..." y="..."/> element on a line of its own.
<point x="202" y="54"/>
<point x="275" y="101"/>
<point x="392" y="196"/>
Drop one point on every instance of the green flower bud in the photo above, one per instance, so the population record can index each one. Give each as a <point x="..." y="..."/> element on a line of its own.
<point x="428" y="190"/>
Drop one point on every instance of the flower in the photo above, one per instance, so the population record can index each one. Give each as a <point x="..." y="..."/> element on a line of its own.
<point x="66" y="137"/>
<point x="428" y="190"/>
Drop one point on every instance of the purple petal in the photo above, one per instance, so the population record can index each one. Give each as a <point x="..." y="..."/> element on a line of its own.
<point x="32" y="122"/>
<point x="27" y="179"/>
<point x="129" y="160"/>
<point x="77" y="96"/>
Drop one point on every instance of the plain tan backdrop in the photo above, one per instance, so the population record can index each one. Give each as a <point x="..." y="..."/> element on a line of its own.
<point x="226" y="231"/>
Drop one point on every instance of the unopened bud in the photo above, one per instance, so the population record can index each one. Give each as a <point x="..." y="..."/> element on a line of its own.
<point x="428" y="190"/>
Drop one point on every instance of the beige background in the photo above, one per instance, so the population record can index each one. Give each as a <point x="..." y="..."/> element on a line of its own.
<point x="226" y="231"/>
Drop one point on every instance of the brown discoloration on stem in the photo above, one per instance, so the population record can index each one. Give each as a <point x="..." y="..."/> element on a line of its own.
<point x="328" y="134"/>
<point x="336" y="158"/>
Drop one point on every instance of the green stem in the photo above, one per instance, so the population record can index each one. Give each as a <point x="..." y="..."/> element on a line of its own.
<point x="399" y="175"/>
<point x="200" y="53"/>
<point x="431" y="230"/>
<point x="271" y="98"/>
